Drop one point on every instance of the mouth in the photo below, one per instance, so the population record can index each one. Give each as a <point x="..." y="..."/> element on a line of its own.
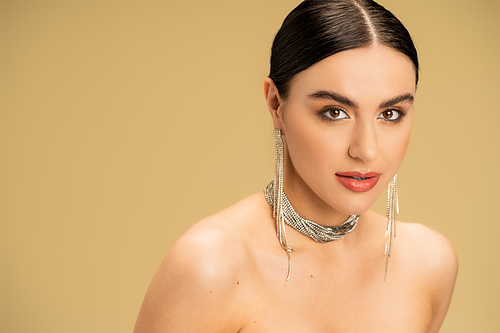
<point x="358" y="181"/>
<point x="359" y="178"/>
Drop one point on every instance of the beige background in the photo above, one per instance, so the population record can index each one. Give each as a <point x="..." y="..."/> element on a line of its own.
<point x="123" y="123"/>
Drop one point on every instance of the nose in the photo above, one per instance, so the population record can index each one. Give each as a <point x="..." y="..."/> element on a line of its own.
<point x="364" y="145"/>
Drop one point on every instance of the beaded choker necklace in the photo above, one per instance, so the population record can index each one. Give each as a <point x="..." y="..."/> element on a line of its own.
<point x="317" y="232"/>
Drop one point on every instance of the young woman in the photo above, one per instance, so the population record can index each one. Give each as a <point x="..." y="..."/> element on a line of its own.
<point x="340" y="92"/>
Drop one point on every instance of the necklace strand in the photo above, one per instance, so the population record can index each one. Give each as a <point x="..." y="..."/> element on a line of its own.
<point x="317" y="232"/>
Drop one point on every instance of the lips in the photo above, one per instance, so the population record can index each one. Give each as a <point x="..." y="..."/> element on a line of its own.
<point x="358" y="181"/>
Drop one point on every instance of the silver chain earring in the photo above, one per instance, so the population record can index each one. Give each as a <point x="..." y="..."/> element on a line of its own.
<point x="392" y="214"/>
<point x="284" y="213"/>
<point x="278" y="197"/>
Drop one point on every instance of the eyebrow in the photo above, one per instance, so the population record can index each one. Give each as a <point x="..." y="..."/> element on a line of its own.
<point x="330" y="95"/>
<point x="407" y="98"/>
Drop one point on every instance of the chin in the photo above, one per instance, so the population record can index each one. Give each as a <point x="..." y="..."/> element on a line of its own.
<point x="356" y="210"/>
<point x="356" y="206"/>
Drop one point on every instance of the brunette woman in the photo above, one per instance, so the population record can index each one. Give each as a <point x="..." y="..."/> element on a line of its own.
<point x="341" y="93"/>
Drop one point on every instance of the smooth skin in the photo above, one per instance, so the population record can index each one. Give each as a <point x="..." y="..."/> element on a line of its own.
<point x="228" y="272"/>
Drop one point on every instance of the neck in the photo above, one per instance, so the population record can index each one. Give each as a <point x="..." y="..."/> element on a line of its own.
<point x="287" y="214"/>
<point x="309" y="205"/>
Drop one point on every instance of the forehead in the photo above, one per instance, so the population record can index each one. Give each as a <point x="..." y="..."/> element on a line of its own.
<point x="376" y="72"/>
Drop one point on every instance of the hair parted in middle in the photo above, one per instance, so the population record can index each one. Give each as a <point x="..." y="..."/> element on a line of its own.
<point x="317" y="29"/>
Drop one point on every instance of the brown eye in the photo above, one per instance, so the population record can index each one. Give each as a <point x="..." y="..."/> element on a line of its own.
<point x="334" y="113"/>
<point x="387" y="114"/>
<point x="390" y="115"/>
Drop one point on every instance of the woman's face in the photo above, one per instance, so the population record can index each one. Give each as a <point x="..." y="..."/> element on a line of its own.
<point x="346" y="125"/>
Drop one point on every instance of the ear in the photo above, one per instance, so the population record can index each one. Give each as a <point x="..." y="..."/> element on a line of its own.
<point x="274" y="104"/>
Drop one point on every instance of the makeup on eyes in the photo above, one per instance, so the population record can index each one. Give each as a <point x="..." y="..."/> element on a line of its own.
<point x="337" y="113"/>
<point x="390" y="112"/>
<point x="333" y="113"/>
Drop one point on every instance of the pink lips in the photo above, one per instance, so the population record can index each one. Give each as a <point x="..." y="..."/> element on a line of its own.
<point x="358" y="181"/>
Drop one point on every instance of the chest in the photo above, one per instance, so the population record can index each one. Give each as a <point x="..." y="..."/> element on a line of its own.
<point x="342" y="298"/>
<point x="336" y="308"/>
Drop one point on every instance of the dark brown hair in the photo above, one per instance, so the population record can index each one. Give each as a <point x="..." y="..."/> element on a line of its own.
<point x="317" y="29"/>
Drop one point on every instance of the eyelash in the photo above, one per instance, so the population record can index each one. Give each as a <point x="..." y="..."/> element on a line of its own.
<point x="401" y="115"/>
<point x="323" y="114"/>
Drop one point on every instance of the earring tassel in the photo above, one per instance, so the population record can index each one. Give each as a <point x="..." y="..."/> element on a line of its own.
<point x="278" y="198"/>
<point x="392" y="214"/>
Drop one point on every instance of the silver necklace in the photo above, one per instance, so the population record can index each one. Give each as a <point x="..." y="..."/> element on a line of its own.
<point x="317" y="232"/>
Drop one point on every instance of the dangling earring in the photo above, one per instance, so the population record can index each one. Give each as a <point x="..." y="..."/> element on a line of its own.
<point x="278" y="197"/>
<point x="392" y="214"/>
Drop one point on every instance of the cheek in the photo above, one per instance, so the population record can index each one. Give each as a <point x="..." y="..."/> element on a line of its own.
<point x="312" y="150"/>
<point x="393" y="145"/>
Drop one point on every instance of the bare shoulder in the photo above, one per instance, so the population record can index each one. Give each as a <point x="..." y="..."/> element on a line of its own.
<point x="214" y="249"/>
<point x="197" y="286"/>
<point x="435" y="265"/>
<point x="424" y="249"/>
<point x="436" y="253"/>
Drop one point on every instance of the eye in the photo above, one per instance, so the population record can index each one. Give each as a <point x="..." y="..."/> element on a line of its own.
<point x="390" y="115"/>
<point x="335" y="114"/>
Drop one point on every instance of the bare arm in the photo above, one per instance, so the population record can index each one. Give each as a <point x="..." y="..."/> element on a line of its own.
<point x="444" y="271"/>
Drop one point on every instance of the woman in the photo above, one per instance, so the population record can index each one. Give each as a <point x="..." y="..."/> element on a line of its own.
<point x="340" y="92"/>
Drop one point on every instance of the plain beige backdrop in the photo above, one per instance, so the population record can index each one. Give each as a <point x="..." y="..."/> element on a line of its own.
<point x="122" y="123"/>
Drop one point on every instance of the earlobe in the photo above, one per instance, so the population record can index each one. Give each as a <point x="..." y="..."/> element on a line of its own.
<point x="274" y="103"/>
